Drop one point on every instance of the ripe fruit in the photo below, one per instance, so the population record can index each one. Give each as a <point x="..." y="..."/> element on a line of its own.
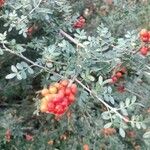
<point x="43" y="107"/>
<point x="143" y="32"/>
<point x="51" y="106"/>
<point x="67" y="91"/>
<point x="58" y="98"/>
<point x="44" y="92"/>
<point x="64" y="83"/>
<point x="86" y="147"/>
<point x="52" y="89"/>
<point x="121" y="88"/>
<point x="144" y="35"/>
<point x="144" y="51"/>
<point x="2" y="3"/>
<point x="74" y="88"/>
<point x="119" y="74"/>
<point x="114" y="79"/>
<point x="57" y="85"/>
<point x="123" y="70"/>
<point x="44" y="100"/>
<point x="80" y="23"/>
<point x="71" y="98"/>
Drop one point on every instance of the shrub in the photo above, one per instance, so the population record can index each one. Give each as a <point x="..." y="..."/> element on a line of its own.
<point x="97" y="46"/>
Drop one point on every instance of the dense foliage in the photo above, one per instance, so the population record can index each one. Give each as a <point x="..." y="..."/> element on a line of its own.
<point x="101" y="48"/>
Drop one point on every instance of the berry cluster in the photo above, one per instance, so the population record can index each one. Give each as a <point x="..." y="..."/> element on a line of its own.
<point x="119" y="74"/>
<point x="58" y="97"/>
<point x="79" y="23"/>
<point x="2" y="3"/>
<point x="145" y="37"/>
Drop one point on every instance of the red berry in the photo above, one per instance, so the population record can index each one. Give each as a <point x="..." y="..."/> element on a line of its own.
<point x="2" y="3"/>
<point x="67" y="91"/>
<point x="60" y="94"/>
<point x="51" y="106"/>
<point x="64" y="102"/>
<point x="121" y="88"/>
<point x="71" y="98"/>
<point x="119" y="74"/>
<point x="144" y="35"/>
<point x="123" y="70"/>
<point x="57" y="100"/>
<point x="59" y="110"/>
<point x="144" y="51"/>
<point x="114" y="79"/>
<point x="74" y="88"/>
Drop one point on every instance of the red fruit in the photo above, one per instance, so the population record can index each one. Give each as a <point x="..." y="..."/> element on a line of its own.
<point x="114" y="79"/>
<point x="80" y="23"/>
<point x="65" y="102"/>
<point x="71" y="98"/>
<point x="2" y="3"/>
<point x="74" y="88"/>
<point x="57" y="100"/>
<point x="123" y="70"/>
<point x="121" y="89"/>
<point x="67" y="91"/>
<point x="61" y="94"/>
<point x="64" y="83"/>
<point x="51" y="107"/>
<point x="144" y="35"/>
<point x="143" y="32"/>
<point x="119" y="74"/>
<point x="59" y="110"/>
<point x="144" y="51"/>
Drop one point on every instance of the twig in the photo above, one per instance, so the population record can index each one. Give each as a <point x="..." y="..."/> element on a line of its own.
<point x="102" y="101"/>
<point x="71" y="39"/>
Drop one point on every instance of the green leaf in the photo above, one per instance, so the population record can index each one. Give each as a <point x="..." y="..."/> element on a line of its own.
<point x="146" y="135"/>
<point x="30" y="70"/>
<point x="109" y="89"/>
<point x="14" y="69"/>
<point x="19" y="66"/>
<point x="108" y="125"/>
<point x="19" y="77"/>
<point x="133" y="99"/>
<point x="138" y="125"/>
<point x="10" y="76"/>
<point x="127" y="102"/>
<point x="124" y="112"/>
<point x="105" y="115"/>
<point x="100" y="80"/>
<point x="122" y="132"/>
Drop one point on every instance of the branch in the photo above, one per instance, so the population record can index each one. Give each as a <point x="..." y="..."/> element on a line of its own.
<point x="71" y="39"/>
<point x="79" y="82"/>
<point x="102" y="101"/>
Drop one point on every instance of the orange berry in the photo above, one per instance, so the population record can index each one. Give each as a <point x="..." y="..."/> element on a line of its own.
<point x="53" y="90"/>
<point x="50" y="96"/>
<point x="86" y="147"/>
<point x="57" y="85"/>
<point x="43" y="107"/>
<point x="64" y="83"/>
<point x="43" y="100"/>
<point x="44" y="92"/>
